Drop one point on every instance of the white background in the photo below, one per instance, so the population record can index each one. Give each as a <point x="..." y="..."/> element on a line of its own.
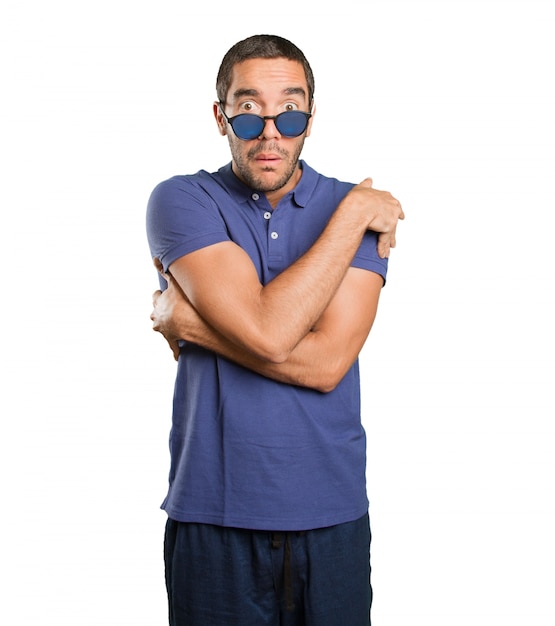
<point x="449" y="105"/>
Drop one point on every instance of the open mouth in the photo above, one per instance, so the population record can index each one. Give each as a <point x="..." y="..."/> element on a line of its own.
<point x="270" y="159"/>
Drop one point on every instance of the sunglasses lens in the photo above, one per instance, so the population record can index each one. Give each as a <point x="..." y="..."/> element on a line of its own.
<point x="247" y="126"/>
<point x="291" y="123"/>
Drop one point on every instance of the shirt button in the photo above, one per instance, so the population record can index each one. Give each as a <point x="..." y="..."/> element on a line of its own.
<point x="255" y="196"/>
<point x="274" y="235"/>
<point x="267" y="215"/>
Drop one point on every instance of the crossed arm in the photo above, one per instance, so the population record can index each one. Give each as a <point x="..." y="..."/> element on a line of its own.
<point x="307" y="326"/>
<point x="319" y="360"/>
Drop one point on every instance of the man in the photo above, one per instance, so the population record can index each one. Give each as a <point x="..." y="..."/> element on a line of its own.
<point x="273" y="277"/>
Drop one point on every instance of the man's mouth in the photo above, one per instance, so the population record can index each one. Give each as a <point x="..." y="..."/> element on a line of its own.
<point x="267" y="159"/>
<point x="264" y="155"/>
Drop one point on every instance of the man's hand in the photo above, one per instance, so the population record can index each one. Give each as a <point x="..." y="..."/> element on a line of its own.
<point x="383" y="210"/>
<point x="165" y="305"/>
<point x="268" y="321"/>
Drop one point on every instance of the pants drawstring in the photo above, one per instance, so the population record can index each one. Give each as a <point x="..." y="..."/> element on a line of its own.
<point x="277" y="539"/>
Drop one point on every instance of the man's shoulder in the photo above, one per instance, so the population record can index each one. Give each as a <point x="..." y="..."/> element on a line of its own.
<point x="311" y="172"/>
<point x="188" y="181"/>
<point x="316" y="186"/>
<point x="201" y="185"/>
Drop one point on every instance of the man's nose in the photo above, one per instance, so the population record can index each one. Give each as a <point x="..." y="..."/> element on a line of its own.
<point x="270" y="130"/>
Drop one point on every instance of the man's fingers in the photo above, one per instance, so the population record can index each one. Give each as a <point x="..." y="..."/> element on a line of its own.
<point x="367" y="182"/>
<point x="386" y="241"/>
<point x="155" y="297"/>
<point x="158" y="265"/>
<point x="174" y="345"/>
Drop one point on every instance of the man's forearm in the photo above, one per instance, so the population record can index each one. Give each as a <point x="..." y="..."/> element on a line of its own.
<point x="306" y="366"/>
<point x="320" y="359"/>
<point x="270" y="320"/>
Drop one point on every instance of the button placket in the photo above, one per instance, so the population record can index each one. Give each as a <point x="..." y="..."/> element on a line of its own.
<point x="274" y="246"/>
<point x="267" y="215"/>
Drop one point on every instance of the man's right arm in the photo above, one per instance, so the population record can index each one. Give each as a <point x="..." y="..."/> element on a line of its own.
<point x="221" y="282"/>
<point x="319" y="360"/>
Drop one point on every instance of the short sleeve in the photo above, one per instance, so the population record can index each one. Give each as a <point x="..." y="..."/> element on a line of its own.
<point x="182" y="218"/>
<point x="367" y="256"/>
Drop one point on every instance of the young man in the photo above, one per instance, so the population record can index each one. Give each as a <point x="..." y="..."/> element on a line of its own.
<point x="273" y="275"/>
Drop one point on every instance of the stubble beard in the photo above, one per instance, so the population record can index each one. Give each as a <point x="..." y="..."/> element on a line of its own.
<point x="242" y="162"/>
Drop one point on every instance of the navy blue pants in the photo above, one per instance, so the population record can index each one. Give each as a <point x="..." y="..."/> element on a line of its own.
<point x="219" y="576"/>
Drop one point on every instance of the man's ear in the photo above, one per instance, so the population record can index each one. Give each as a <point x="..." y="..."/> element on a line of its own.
<point x="313" y="111"/>
<point x="220" y="120"/>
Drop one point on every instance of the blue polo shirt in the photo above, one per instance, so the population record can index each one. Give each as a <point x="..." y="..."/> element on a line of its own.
<point x="247" y="451"/>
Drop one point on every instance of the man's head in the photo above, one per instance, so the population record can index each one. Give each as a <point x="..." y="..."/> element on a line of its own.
<point x="262" y="77"/>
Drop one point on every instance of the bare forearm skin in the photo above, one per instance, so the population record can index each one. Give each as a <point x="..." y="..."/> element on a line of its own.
<point x="319" y="360"/>
<point x="307" y="365"/>
<point x="269" y="321"/>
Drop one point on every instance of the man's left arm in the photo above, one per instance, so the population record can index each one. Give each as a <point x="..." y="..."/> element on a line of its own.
<point x="320" y="359"/>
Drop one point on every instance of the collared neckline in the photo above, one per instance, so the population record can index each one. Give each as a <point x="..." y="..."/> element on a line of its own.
<point x="301" y="192"/>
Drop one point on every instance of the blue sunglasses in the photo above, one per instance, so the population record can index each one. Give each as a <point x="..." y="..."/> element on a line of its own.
<point x="249" y="126"/>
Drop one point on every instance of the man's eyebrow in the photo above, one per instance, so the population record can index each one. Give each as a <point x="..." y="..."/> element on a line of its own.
<point x="295" y="91"/>
<point x="289" y="91"/>
<point x="241" y="93"/>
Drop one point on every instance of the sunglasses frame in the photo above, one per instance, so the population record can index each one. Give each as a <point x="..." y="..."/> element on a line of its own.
<point x="263" y="119"/>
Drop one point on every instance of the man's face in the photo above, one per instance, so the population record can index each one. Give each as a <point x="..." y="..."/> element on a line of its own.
<point x="268" y="163"/>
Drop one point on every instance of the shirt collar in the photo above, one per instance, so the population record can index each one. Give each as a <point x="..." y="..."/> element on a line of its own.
<point x="301" y="193"/>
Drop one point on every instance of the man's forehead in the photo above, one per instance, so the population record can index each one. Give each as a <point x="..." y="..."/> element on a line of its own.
<point x="253" y="77"/>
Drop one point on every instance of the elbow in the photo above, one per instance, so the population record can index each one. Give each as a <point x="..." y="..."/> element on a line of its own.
<point x="278" y="358"/>
<point x="324" y="389"/>
<point x="329" y="377"/>
<point x="271" y="351"/>
<point x="274" y="357"/>
<point x="327" y="385"/>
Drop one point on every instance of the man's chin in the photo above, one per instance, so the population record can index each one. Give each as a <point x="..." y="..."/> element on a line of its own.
<point x="269" y="180"/>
